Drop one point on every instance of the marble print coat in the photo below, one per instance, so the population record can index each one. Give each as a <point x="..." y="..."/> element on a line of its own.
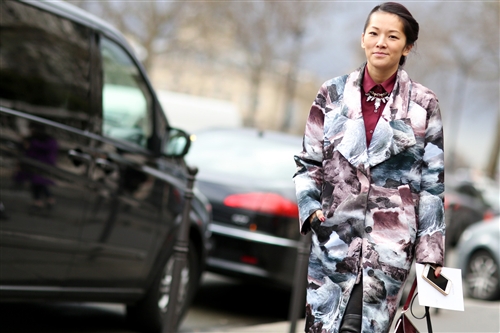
<point x="383" y="203"/>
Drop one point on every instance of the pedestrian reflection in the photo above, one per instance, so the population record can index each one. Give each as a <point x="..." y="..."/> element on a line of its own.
<point x="40" y="151"/>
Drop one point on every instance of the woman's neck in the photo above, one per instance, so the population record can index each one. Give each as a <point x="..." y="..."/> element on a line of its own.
<point x="378" y="76"/>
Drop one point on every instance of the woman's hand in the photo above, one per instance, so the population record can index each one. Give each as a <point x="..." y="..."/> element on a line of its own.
<point x="319" y="215"/>
<point x="437" y="272"/>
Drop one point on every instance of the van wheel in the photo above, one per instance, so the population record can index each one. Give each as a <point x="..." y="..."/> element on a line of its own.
<point x="149" y="314"/>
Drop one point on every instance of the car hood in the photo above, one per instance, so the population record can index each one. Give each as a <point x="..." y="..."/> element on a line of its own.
<point x="217" y="187"/>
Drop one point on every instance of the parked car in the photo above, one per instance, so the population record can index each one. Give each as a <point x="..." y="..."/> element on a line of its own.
<point x="478" y="255"/>
<point x="246" y="175"/>
<point x="465" y="204"/>
<point x="92" y="177"/>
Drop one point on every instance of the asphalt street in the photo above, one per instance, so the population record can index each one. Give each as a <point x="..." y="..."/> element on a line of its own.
<point x="478" y="317"/>
<point x="221" y="305"/>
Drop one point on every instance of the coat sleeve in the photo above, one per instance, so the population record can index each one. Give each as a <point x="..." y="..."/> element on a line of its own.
<point x="309" y="175"/>
<point x="429" y="246"/>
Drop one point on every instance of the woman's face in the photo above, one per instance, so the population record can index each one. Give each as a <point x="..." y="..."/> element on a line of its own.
<point x="384" y="43"/>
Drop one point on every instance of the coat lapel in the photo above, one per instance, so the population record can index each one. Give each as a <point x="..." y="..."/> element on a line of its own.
<point x="393" y="133"/>
<point x="352" y="144"/>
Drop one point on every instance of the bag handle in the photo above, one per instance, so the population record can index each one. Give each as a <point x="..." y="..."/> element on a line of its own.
<point x="410" y="295"/>
<point x="409" y="301"/>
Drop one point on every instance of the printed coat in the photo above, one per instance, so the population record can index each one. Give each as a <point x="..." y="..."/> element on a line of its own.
<point x="383" y="203"/>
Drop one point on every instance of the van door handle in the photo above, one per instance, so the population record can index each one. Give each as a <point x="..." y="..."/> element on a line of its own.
<point x="106" y="165"/>
<point x="78" y="157"/>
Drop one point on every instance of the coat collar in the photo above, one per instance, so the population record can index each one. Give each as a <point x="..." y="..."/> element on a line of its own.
<point x="393" y="133"/>
<point x="368" y="83"/>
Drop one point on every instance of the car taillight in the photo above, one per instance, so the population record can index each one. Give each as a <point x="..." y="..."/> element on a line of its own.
<point x="249" y="260"/>
<point x="488" y="215"/>
<point x="269" y="203"/>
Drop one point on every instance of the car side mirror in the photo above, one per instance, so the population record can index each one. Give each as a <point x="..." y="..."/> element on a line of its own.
<point x="177" y="143"/>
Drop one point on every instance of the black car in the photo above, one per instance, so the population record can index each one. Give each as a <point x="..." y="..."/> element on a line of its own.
<point x="246" y="175"/>
<point x="92" y="178"/>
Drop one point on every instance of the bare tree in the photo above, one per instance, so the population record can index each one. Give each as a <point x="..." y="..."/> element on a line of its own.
<point x="461" y="48"/>
<point x="154" y="25"/>
<point x="255" y="28"/>
<point x="297" y="19"/>
<point x="264" y="32"/>
<point x="257" y="32"/>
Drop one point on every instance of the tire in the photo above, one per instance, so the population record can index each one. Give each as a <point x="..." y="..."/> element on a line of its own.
<point x="149" y="314"/>
<point x="482" y="276"/>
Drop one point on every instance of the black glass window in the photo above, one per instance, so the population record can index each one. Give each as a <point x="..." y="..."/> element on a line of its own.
<point x="44" y="64"/>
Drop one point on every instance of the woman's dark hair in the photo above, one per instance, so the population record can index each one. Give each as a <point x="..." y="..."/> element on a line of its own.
<point x="410" y="25"/>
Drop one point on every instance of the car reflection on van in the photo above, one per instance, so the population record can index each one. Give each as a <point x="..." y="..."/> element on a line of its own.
<point x="124" y="109"/>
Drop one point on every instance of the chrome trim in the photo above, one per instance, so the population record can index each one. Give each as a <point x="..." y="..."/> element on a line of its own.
<point x="237" y="267"/>
<point x="252" y="236"/>
<point x="73" y="289"/>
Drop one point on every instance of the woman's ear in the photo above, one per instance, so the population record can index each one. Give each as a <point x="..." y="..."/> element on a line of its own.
<point x="407" y="49"/>
<point x="362" y="40"/>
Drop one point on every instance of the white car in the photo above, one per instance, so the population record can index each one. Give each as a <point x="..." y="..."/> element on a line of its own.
<point x="478" y="256"/>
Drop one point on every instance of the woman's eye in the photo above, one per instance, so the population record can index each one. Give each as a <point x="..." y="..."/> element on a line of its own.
<point x="372" y="33"/>
<point x="393" y="37"/>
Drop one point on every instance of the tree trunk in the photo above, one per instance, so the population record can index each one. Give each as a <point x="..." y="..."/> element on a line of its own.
<point x="291" y="81"/>
<point x="255" y="81"/>
<point x="492" y="168"/>
<point x="456" y="116"/>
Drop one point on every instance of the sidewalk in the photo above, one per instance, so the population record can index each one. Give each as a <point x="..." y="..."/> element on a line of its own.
<point x="478" y="317"/>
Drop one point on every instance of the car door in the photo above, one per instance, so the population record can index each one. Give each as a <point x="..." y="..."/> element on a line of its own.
<point x="120" y="238"/>
<point x="44" y="112"/>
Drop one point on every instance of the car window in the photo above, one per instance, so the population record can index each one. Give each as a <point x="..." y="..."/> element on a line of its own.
<point x="44" y="64"/>
<point x="250" y="157"/>
<point x="127" y="102"/>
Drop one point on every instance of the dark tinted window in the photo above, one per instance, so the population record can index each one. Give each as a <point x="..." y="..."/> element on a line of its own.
<point x="44" y="64"/>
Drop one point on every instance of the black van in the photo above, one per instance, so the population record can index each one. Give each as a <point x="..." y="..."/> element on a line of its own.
<point x="92" y="178"/>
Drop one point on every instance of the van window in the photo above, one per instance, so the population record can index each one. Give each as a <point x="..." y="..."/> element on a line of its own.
<point x="127" y="102"/>
<point x="44" y="64"/>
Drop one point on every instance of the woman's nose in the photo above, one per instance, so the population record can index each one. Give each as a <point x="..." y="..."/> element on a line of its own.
<point x="381" y="42"/>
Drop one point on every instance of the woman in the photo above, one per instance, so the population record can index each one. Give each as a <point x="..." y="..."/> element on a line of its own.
<point x="370" y="183"/>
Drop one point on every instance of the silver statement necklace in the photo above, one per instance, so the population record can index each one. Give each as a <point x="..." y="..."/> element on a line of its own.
<point x="377" y="97"/>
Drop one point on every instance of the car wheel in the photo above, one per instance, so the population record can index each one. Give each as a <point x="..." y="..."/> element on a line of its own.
<point x="149" y="314"/>
<point x="482" y="276"/>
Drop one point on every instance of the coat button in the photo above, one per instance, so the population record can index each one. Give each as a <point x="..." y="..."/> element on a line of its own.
<point x="368" y="229"/>
<point x="371" y="272"/>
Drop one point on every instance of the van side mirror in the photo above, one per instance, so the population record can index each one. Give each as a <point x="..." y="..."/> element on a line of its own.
<point x="177" y="143"/>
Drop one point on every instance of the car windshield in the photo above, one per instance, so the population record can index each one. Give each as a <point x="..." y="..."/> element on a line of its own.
<point x="244" y="155"/>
